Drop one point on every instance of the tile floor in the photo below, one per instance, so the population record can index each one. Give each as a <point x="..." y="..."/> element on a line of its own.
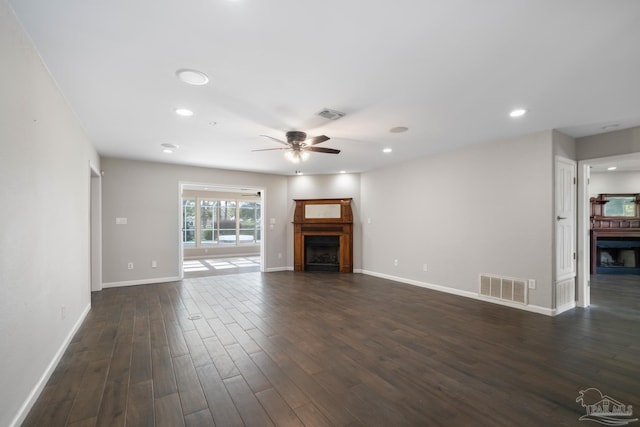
<point x="219" y="266"/>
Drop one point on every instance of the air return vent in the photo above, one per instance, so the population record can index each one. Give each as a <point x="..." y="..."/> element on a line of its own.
<point x="504" y="288"/>
<point x="331" y="114"/>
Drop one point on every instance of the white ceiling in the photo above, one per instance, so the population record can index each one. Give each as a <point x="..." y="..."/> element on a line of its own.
<point x="449" y="70"/>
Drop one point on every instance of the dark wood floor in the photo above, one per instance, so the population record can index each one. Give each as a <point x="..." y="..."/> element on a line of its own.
<point x="325" y="349"/>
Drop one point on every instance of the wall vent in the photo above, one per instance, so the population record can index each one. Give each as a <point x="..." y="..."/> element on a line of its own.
<point x="504" y="288"/>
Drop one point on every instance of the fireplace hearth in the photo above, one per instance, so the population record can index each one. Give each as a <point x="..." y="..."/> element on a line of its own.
<point x="323" y="235"/>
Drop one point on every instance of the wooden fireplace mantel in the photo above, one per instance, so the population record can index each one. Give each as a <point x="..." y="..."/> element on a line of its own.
<point x="323" y="217"/>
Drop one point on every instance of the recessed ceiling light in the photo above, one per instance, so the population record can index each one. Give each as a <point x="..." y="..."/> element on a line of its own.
<point x="387" y="150"/>
<point x="518" y="112"/>
<point x="612" y="168"/>
<point x="192" y="77"/>
<point x="184" y="112"/>
<point x="167" y="151"/>
<point x="398" y="129"/>
<point x="343" y="171"/>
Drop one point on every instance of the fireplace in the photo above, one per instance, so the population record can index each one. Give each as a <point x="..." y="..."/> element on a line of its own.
<point x="323" y="235"/>
<point x="321" y="253"/>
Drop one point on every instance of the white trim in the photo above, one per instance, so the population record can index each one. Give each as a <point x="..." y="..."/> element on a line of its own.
<point x="466" y="294"/>
<point x="37" y="389"/>
<point x="141" y="282"/>
<point x="274" y="269"/>
<point x="584" y="239"/>
<point x="95" y="228"/>
<point x="569" y="306"/>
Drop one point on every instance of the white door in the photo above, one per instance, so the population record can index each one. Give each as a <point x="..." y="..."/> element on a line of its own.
<point x="565" y="219"/>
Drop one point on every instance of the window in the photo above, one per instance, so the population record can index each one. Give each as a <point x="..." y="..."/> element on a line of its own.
<point x="189" y="222"/>
<point x="207" y="221"/>
<point x="220" y="222"/>
<point x="249" y="222"/>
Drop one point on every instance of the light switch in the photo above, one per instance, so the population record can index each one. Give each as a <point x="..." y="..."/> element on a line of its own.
<point x="121" y="221"/>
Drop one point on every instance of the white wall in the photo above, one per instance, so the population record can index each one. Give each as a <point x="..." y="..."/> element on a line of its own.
<point x="44" y="212"/>
<point x="624" y="141"/>
<point x="614" y="182"/>
<point x="326" y="187"/>
<point x="485" y="209"/>
<point x="147" y="194"/>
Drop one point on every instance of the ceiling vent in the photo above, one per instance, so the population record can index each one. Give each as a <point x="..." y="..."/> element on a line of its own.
<point x="331" y="114"/>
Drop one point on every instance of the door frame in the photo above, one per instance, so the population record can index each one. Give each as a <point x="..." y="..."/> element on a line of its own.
<point x="238" y="188"/>
<point x="95" y="228"/>
<point x="584" y="212"/>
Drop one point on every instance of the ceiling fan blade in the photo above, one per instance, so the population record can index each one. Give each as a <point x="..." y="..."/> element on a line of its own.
<point x="271" y="149"/>
<point x="276" y="140"/>
<point x="317" y="140"/>
<point x="322" y="150"/>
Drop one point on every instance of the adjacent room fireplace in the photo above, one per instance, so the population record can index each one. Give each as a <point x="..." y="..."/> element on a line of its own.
<point x="323" y="235"/>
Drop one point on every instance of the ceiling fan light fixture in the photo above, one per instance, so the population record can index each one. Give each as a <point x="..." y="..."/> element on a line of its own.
<point x="292" y="156"/>
<point x="296" y="156"/>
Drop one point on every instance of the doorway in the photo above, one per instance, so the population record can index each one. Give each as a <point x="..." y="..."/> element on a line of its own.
<point x="221" y="229"/>
<point x="595" y="177"/>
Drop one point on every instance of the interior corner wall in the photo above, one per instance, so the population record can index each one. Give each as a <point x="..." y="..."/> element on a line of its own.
<point x="564" y="145"/>
<point x="147" y="195"/>
<point x="45" y="217"/>
<point x="326" y="187"/>
<point x="483" y="209"/>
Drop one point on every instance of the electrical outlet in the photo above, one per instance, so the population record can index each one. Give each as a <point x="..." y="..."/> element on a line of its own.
<point x="395" y="262"/>
<point x="532" y="283"/>
<point x="424" y="267"/>
<point x="130" y="266"/>
<point x="154" y="264"/>
<point x="279" y="255"/>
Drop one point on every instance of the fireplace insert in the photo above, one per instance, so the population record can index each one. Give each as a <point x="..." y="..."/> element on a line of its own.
<point x="322" y="253"/>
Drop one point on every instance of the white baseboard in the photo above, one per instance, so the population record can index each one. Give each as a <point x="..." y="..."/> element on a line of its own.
<point x="563" y="308"/>
<point x="274" y="269"/>
<point x="42" y="382"/>
<point x="140" y="282"/>
<point x="466" y="294"/>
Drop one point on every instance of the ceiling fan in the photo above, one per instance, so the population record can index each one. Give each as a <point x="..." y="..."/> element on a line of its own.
<point x="298" y="145"/>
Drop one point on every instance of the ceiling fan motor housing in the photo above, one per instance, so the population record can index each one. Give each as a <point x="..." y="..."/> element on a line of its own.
<point x="294" y="136"/>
